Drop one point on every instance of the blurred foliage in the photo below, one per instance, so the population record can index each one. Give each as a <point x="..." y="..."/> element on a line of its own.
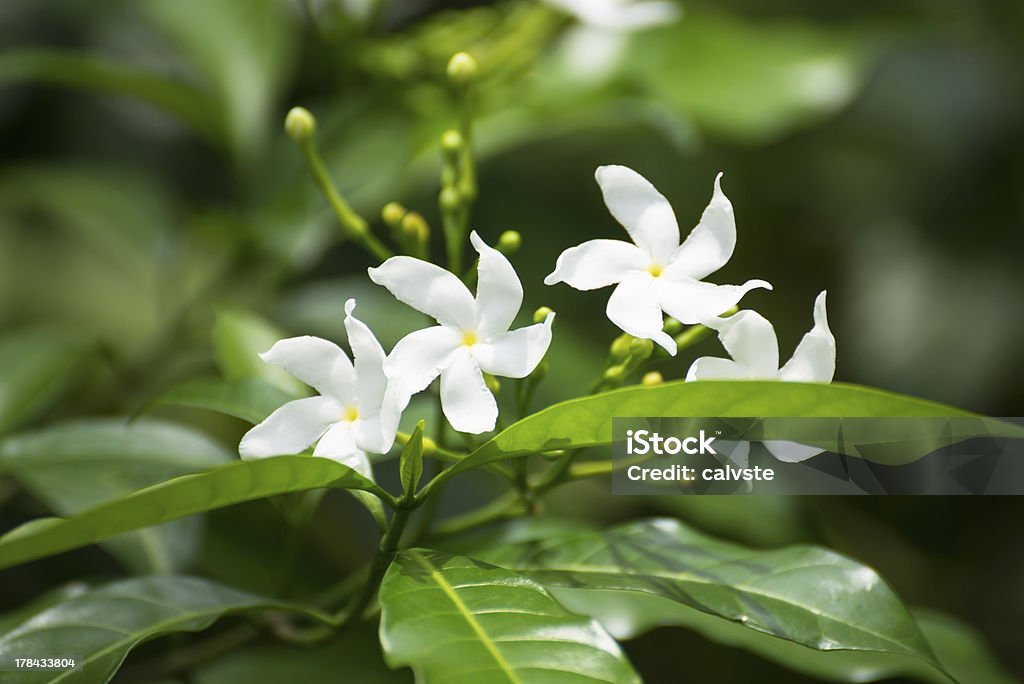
<point x="157" y="227"/>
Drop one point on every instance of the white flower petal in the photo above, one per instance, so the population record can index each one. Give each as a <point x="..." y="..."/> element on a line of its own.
<point x="339" y="444"/>
<point x="713" y="368"/>
<point x="598" y="263"/>
<point x="616" y="15"/>
<point x="751" y="342"/>
<point x="291" y="428"/>
<point x="692" y="301"/>
<point x="515" y="354"/>
<point x="641" y="209"/>
<point x="499" y="294"/>
<point x="710" y="245"/>
<point x="428" y="288"/>
<point x="369" y="362"/>
<point x="815" y="357"/>
<point x="467" y="403"/>
<point x="371" y="435"/>
<point x="318" y="363"/>
<point x="418" y="358"/>
<point x="791" y="452"/>
<point x="633" y="307"/>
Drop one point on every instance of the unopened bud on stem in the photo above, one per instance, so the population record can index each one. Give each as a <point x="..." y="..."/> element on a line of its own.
<point x="462" y="68"/>
<point x="652" y="378"/>
<point x="392" y="214"/>
<point x="620" y="347"/>
<point x="509" y="242"/>
<point x="300" y="125"/>
<point x="541" y="314"/>
<point x="641" y="349"/>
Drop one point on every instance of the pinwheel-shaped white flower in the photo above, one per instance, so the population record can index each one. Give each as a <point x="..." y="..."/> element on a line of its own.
<point x="472" y="337"/>
<point x="754" y="348"/>
<point x="345" y="420"/>
<point x="656" y="274"/>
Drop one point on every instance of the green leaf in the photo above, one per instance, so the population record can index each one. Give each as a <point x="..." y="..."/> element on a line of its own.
<point x="411" y="462"/>
<point x="177" y="498"/>
<point x="239" y="337"/>
<point x="36" y="367"/>
<point x="88" y="72"/>
<point x="587" y="421"/>
<point x="454" y="619"/>
<point x="749" y="80"/>
<point x="810" y="597"/>
<point x="99" y="627"/>
<point x="76" y="465"/>
<point x="249" y="399"/>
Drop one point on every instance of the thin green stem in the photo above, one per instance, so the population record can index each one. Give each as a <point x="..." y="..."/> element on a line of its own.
<point x="509" y="505"/>
<point x="386" y="551"/>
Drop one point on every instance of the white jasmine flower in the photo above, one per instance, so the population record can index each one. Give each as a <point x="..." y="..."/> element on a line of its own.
<point x="592" y="49"/>
<point x="472" y="337"/>
<point x="754" y="348"/>
<point x="619" y="15"/>
<point x="345" y="420"/>
<point x="656" y="274"/>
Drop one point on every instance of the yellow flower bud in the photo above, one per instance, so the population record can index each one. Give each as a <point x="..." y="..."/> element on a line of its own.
<point x="415" y="226"/>
<point x="300" y="125"/>
<point x="392" y="214"/>
<point x="509" y="242"/>
<point x="541" y="314"/>
<point x="462" y="68"/>
<point x="641" y="348"/>
<point x="652" y="378"/>
<point x="672" y="326"/>
<point x="620" y="347"/>
<point x="449" y="199"/>
<point x="615" y="373"/>
<point x="451" y="142"/>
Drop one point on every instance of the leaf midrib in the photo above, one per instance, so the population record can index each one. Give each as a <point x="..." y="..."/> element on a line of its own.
<point x="470" y="618"/>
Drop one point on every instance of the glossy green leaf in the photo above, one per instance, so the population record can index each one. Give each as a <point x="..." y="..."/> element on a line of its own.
<point x="453" y="619"/>
<point x="587" y="421"/>
<point x="249" y="399"/>
<point x="239" y="337"/>
<point x="88" y="72"/>
<point x="76" y="465"/>
<point x="36" y="367"/>
<point x="100" y="626"/>
<point x="807" y="597"/>
<point x="177" y="498"/>
<point x="411" y="462"/>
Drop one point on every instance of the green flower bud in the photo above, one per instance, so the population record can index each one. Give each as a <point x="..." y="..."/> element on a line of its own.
<point x="492" y="383"/>
<point x="300" y="125"/>
<point x="462" y="68"/>
<point x="509" y="242"/>
<point x="415" y="226"/>
<point x="615" y="373"/>
<point x="620" y="347"/>
<point x="392" y="214"/>
<point x="451" y="142"/>
<point x="641" y="348"/>
<point x="541" y="314"/>
<point x="449" y="199"/>
<point x="652" y="378"/>
<point x="672" y="326"/>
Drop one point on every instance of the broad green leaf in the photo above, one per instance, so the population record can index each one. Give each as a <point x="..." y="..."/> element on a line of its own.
<point x="454" y="619"/>
<point x="177" y="498"/>
<point x="587" y="421"/>
<point x="961" y="649"/>
<point x="36" y="367"/>
<point x="76" y="70"/>
<point x="803" y="596"/>
<point x="746" y="80"/>
<point x="239" y="337"/>
<point x="76" y="465"/>
<point x="99" y="627"/>
<point x="249" y="399"/>
<point x="411" y="461"/>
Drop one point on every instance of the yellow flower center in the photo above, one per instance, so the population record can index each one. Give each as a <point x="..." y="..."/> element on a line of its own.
<point x="655" y="270"/>
<point x="469" y="338"/>
<point x="351" y="414"/>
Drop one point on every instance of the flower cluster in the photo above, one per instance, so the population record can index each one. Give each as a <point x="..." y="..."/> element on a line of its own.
<point x="361" y="401"/>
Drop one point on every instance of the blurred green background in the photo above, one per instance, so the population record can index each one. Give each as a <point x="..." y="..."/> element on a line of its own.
<point x="152" y="211"/>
